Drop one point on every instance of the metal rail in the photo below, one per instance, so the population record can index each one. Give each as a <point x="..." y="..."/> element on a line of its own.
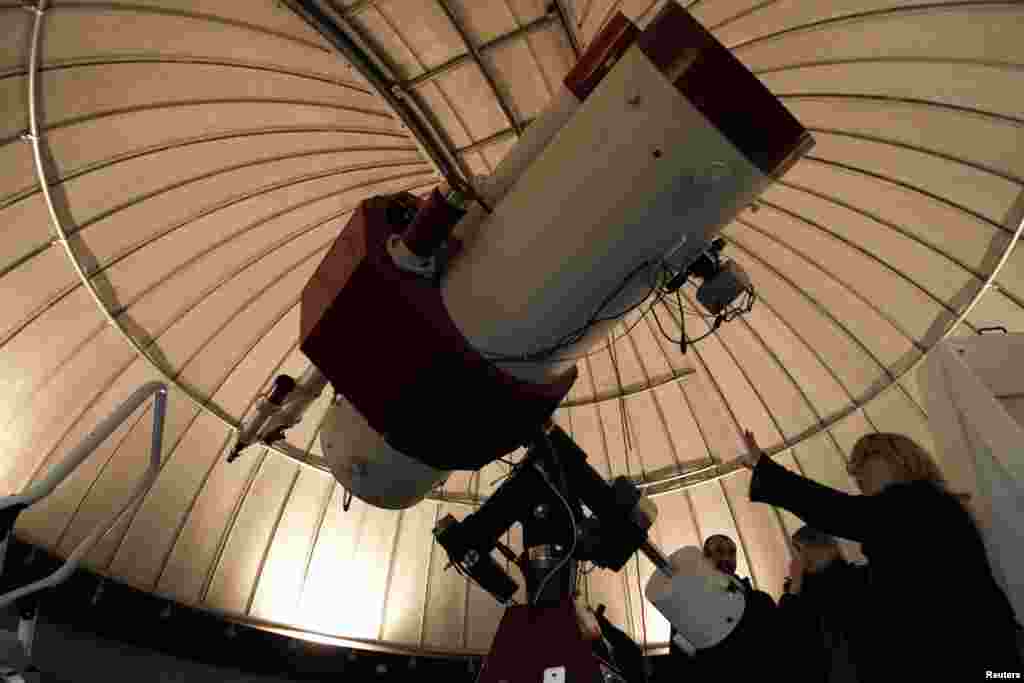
<point x="563" y="19"/>
<point x="535" y="25"/>
<point x="430" y="138"/>
<point x="481" y="64"/>
<point x="12" y="505"/>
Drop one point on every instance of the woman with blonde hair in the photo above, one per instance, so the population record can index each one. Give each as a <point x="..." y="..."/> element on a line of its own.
<point x="900" y="455"/>
<point x="934" y="607"/>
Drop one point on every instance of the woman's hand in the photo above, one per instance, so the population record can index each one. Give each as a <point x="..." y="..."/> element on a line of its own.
<point x="754" y="452"/>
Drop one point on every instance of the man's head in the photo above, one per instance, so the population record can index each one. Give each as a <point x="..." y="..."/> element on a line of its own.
<point x="722" y="553"/>
<point x="819" y="550"/>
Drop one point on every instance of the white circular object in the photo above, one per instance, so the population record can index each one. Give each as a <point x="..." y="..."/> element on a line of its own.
<point x="367" y="466"/>
<point x="702" y="603"/>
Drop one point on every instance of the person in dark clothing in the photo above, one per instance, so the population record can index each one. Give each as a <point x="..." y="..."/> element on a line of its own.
<point x="745" y="654"/>
<point x="935" y="610"/>
<point x="721" y="550"/>
<point x="618" y="648"/>
<point x="822" y="609"/>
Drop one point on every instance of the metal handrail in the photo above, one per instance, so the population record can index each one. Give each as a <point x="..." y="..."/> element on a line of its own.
<point x="62" y="470"/>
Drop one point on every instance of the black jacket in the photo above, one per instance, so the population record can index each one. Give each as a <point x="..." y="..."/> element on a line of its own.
<point x="935" y="610"/>
<point x="825" y="624"/>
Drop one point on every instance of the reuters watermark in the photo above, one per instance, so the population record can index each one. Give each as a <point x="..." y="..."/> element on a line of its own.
<point x="990" y="675"/>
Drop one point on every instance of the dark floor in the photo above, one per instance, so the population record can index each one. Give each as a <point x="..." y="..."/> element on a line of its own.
<point x="123" y="636"/>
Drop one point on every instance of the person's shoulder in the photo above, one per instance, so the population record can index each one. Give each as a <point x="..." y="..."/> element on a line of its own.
<point x="921" y="488"/>
<point x="924" y="499"/>
<point x="918" y="498"/>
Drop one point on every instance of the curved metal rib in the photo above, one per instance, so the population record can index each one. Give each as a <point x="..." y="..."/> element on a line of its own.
<point x="429" y="137"/>
<point x="484" y="69"/>
<point x="723" y="471"/>
<point x="894" y="322"/>
<point x="44" y="184"/>
<point x="430" y="74"/>
<point x="863" y="15"/>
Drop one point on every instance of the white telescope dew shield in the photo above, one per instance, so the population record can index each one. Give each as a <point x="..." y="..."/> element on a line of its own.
<point x="703" y="604"/>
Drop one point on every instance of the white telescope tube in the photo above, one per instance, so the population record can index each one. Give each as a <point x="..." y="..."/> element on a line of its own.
<point x="536" y="138"/>
<point x="637" y="174"/>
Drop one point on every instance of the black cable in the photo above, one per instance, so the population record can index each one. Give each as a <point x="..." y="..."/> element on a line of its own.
<point x="726" y="316"/>
<point x="666" y="334"/>
<point x="572" y="521"/>
<point x="662" y="276"/>
<point x="579" y="333"/>
<point x="634" y="306"/>
<point x="702" y="337"/>
<point x="686" y="310"/>
<point x="637" y="321"/>
<point x="684" y="339"/>
<point x="643" y="315"/>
